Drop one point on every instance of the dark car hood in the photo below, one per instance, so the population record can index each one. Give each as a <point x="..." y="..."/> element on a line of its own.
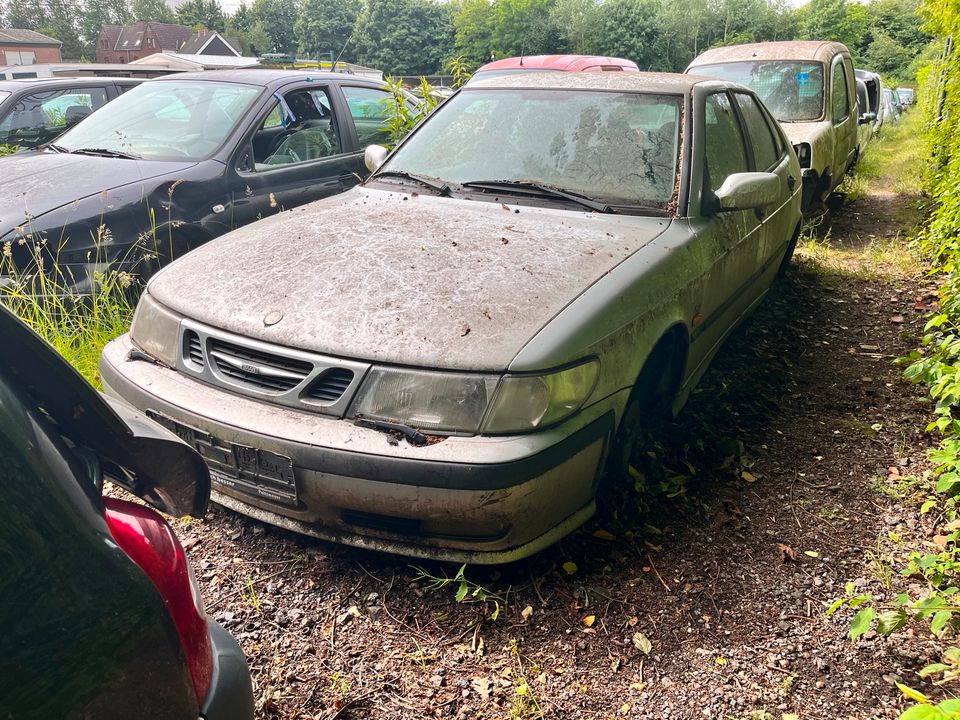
<point x="407" y="279"/>
<point x="35" y="183"/>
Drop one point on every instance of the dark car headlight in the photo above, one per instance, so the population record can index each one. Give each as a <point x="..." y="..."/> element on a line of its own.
<point x="804" y="154"/>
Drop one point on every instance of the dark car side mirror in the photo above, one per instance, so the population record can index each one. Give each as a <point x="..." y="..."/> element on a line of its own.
<point x="868" y="117"/>
<point x="747" y="191"/>
<point x="374" y="156"/>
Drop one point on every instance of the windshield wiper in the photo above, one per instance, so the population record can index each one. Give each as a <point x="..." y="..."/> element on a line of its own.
<point x="541" y="190"/>
<point x="104" y="152"/>
<point x="55" y="148"/>
<point x="440" y="187"/>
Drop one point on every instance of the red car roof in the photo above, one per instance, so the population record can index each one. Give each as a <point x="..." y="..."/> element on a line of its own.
<point x="571" y="63"/>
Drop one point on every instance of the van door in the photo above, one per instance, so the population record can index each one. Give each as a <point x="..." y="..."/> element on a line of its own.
<point x="843" y="116"/>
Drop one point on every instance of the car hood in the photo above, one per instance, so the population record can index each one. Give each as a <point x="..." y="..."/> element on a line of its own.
<point x="401" y="278"/>
<point x="35" y="183"/>
<point x="805" y="132"/>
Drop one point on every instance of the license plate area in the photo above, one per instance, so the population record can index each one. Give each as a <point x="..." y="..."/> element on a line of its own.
<point x="240" y="467"/>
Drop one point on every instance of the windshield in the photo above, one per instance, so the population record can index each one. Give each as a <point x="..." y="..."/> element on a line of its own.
<point x="793" y="91"/>
<point x="165" y="120"/>
<point x="619" y="148"/>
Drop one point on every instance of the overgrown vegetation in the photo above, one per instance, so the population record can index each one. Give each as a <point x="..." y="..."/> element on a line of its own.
<point x="41" y="293"/>
<point x="933" y="566"/>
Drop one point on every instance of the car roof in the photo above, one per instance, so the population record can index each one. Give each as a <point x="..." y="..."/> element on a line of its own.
<point x="671" y="83"/>
<point x="21" y="83"/>
<point x="263" y="76"/>
<point x="821" y="50"/>
<point x="558" y="62"/>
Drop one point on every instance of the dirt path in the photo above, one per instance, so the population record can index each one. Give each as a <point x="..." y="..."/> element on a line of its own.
<point x="782" y="458"/>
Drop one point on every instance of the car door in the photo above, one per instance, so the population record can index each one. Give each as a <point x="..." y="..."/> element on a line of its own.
<point x="842" y="100"/>
<point x="370" y="111"/>
<point x="300" y="148"/>
<point x="769" y="154"/>
<point x="733" y="236"/>
<point x="40" y="116"/>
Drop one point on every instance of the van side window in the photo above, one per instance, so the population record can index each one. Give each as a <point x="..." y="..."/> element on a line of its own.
<point x="839" y="99"/>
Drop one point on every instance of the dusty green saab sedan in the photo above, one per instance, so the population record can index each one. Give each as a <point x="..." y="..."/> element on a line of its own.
<point x="444" y="361"/>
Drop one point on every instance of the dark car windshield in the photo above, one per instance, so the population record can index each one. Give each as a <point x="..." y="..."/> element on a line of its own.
<point x="167" y="119"/>
<point x="793" y="91"/>
<point x="620" y="148"/>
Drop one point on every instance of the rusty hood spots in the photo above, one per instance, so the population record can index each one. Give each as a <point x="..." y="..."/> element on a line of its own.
<point x="388" y="277"/>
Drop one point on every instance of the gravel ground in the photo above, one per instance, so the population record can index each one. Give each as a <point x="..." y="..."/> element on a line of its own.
<point x="707" y="605"/>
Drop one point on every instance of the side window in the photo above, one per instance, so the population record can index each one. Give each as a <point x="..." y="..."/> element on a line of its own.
<point x="71" y="106"/>
<point x="724" y="148"/>
<point x="839" y="99"/>
<point x="38" y="118"/>
<point x="300" y="128"/>
<point x="764" y="145"/>
<point x="370" y="110"/>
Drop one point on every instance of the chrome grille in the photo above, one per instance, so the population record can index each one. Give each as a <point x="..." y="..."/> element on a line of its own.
<point x="282" y="375"/>
<point x="256" y="369"/>
<point x="194" y="347"/>
<point x="331" y="385"/>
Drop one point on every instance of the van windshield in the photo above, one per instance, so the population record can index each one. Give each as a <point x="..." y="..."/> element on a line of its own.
<point x="792" y="90"/>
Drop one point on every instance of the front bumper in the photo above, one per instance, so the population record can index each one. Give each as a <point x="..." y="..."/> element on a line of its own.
<point x="231" y="691"/>
<point x="466" y="499"/>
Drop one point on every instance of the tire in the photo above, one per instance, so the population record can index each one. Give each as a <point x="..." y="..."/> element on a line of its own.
<point x="649" y="402"/>
<point x="788" y="255"/>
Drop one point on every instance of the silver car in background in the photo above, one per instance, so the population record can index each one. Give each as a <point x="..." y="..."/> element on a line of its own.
<point x="443" y="361"/>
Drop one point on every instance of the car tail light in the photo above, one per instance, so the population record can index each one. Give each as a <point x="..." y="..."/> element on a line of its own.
<point x="151" y="543"/>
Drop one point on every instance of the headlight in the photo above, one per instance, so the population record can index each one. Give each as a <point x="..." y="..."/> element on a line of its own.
<point x="156" y="330"/>
<point x="428" y="400"/>
<point x="803" y="154"/>
<point x="528" y="402"/>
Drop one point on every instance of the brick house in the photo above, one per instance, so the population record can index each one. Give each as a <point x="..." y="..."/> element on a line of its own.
<point x="124" y="43"/>
<point x="26" y="47"/>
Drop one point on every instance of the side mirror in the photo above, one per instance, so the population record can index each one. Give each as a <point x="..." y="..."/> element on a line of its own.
<point x="374" y="156"/>
<point x="748" y="190"/>
<point x="867" y="118"/>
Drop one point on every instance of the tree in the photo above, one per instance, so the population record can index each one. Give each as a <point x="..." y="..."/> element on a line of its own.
<point x="94" y="15"/>
<point x="840" y="20"/>
<point x="201" y="13"/>
<point x="523" y="27"/>
<point x="151" y="11"/>
<point x="325" y="25"/>
<point x="277" y="18"/>
<point x="575" y="24"/>
<point x="403" y="37"/>
<point x="61" y="22"/>
<point x="27" y="14"/>
<point x="886" y="56"/>
<point x="629" y="29"/>
<point x="474" y="23"/>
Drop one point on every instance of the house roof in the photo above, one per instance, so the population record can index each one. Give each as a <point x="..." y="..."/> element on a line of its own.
<point x="11" y="36"/>
<point x="130" y="37"/>
<point x="181" y="61"/>
<point x="199" y="42"/>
